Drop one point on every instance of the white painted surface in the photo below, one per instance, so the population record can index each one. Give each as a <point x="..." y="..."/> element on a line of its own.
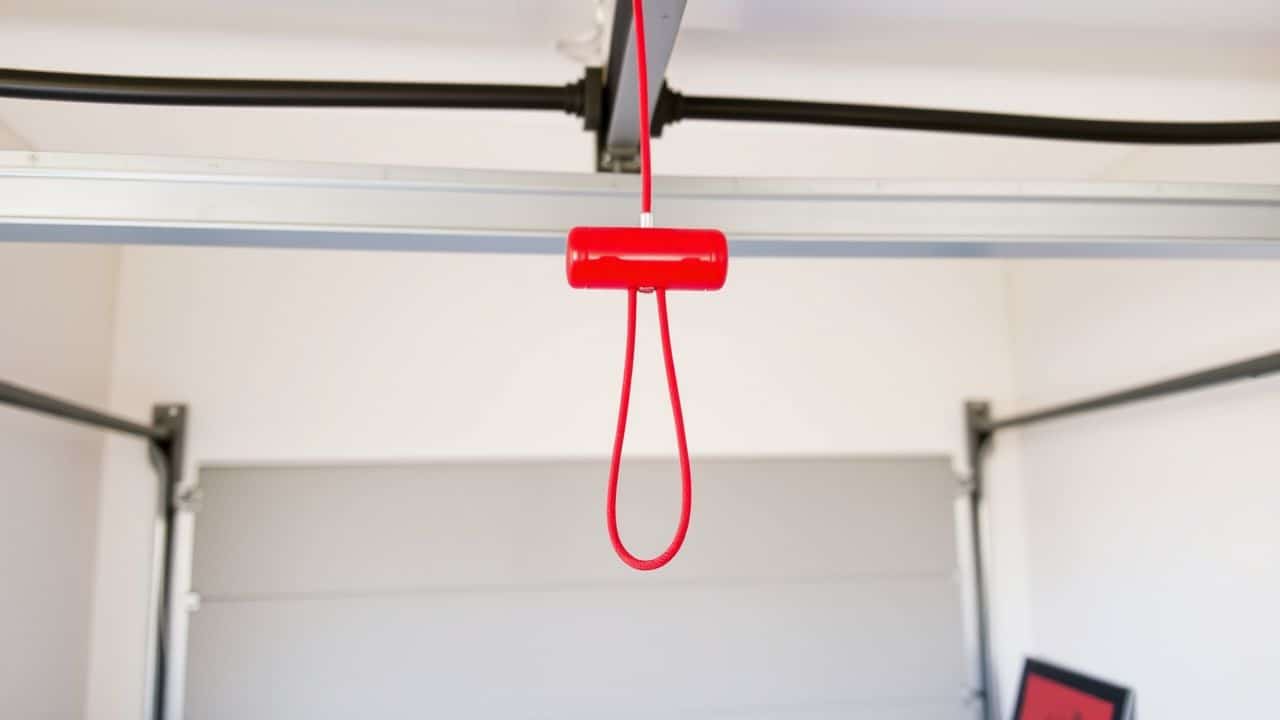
<point x="1152" y="533"/>
<point x="478" y="19"/>
<point x="55" y="336"/>
<point x="342" y="356"/>
<point x="10" y="140"/>
<point x="807" y="588"/>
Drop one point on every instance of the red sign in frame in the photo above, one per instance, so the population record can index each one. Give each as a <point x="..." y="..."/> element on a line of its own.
<point x="1050" y="692"/>
<point x="1049" y="700"/>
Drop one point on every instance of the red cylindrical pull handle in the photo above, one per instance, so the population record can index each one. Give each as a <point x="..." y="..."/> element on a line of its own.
<point x="627" y="257"/>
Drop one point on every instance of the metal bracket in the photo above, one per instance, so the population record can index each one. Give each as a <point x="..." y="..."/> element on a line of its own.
<point x="978" y="436"/>
<point x="626" y="158"/>
<point x="167" y="452"/>
<point x="618" y="138"/>
<point x="617" y="160"/>
<point x="188" y="499"/>
<point x="974" y="696"/>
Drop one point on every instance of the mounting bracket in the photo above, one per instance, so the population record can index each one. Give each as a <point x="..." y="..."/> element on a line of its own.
<point x="618" y="138"/>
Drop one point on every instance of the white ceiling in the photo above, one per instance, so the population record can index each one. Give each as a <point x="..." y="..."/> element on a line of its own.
<point x="499" y="18"/>
<point x="825" y="16"/>
<point x="1150" y="59"/>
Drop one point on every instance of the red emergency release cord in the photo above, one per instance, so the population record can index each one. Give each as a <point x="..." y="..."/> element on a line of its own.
<point x="677" y="415"/>
<point x="642" y="70"/>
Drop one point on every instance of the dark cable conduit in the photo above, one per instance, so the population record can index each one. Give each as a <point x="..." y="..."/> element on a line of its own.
<point x="573" y="99"/>
<point x="983" y="123"/>
<point x="131" y="90"/>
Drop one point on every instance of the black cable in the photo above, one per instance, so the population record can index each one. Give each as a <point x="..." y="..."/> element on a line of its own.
<point x="580" y="98"/>
<point x="79" y="87"/>
<point x="691" y="107"/>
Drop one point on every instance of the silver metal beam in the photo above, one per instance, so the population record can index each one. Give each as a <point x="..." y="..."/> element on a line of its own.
<point x="130" y="200"/>
<point x="620" y="145"/>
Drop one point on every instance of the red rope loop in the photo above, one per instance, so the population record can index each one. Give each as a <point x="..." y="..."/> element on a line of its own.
<point x="686" y="479"/>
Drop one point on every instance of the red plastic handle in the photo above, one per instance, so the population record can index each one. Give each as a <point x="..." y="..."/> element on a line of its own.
<point x="628" y="257"/>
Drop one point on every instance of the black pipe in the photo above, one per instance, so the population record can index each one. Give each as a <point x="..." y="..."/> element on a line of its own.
<point x="1251" y="368"/>
<point x="79" y="87"/>
<point x="573" y="99"/>
<point x="39" y="402"/>
<point x="692" y="107"/>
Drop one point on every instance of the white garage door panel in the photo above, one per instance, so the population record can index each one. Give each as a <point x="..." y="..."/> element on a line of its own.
<point x="809" y="588"/>
<point x="581" y="653"/>
<point x="339" y="529"/>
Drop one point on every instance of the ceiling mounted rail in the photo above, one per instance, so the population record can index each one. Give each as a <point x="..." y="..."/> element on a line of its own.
<point x="57" y="197"/>
<point x="618" y="142"/>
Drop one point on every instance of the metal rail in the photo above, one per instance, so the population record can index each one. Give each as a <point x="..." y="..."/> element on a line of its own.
<point x="985" y="689"/>
<point x="138" y="200"/>
<point x="166" y="436"/>
<point x="618" y="142"/>
<point x="16" y="396"/>
<point x="1251" y="368"/>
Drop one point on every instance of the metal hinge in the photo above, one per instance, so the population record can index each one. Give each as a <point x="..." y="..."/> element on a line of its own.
<point x="619" y="160"/>
<point x="974" y="696"/>
<point x="189" y="500"/>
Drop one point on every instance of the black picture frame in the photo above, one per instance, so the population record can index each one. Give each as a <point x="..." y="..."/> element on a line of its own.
<point x="1121" y="698"/>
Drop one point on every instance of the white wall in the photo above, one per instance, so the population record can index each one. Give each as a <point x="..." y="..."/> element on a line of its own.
<point x="55" y="336"/>
<point x="289" y="356"/>
<point x="1153" y="542"/>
